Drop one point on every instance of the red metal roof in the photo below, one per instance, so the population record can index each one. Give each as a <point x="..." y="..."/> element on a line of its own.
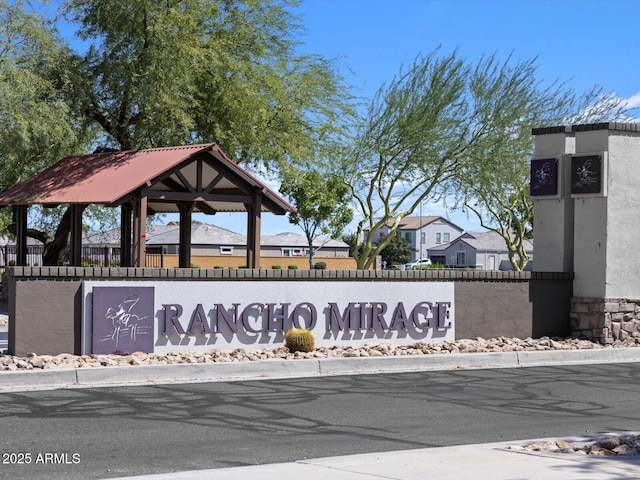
<point x="107" y="178"/>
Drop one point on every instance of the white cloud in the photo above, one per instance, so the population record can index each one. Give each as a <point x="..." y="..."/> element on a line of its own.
<point x="633" y="102"/>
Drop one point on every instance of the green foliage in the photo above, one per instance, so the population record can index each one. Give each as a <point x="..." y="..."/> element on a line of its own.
<point x="170" y="73"/>
<point x="397" y="250"/>
<point x="299" y="340"/>
<point x="496" y="187"/>
<point x="439" y="127"/>
<point x="434" y="266"/>
<point x="320" y="266"/>
<point x="276" y="267"/>
<point x="153" y="74"/>
<point x="322" y="203"/>
<point x="292" y="267"/>
<point x="352" y="240"/>
<point x="37" y="126"/>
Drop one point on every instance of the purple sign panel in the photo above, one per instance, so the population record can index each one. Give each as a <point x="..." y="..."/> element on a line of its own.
<point x="544" y="177"/>
<point x="122" y="319"/>
<point x="586" y="174"/>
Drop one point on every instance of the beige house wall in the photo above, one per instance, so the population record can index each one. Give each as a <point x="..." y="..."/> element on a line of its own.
<point x="233" y="261"/>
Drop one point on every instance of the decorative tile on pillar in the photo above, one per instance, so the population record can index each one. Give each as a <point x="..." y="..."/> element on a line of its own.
<point x="586" y="174"/>
<point x="544" y="177"/>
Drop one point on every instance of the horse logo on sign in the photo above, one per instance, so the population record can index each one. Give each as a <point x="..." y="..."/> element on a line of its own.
<point x="122" y="319"/>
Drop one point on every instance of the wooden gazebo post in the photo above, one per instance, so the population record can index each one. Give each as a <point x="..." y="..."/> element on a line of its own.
<point x="125" y="234"/>
<point x="21" y="234"/>
<point x="76" y="234"/>
<point x="254" y="217"/>
<point x="140" y="230"/>
<point x="184" y="252"/>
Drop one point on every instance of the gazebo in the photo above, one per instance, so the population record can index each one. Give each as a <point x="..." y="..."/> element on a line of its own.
<point x="184" y="180"/>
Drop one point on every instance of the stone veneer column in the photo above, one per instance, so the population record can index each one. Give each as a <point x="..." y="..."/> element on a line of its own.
<point x="553" y="217"/>
<point x="606" y="289"/>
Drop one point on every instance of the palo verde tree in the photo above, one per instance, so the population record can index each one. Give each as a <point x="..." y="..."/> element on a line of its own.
<point x="431" y="128"/>
<point x="152" y="74"/>
<point x="322" y="204"/>
<point x="497" y="190"/>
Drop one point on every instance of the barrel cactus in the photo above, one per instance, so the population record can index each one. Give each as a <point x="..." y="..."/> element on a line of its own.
<point x="299" y="340"/>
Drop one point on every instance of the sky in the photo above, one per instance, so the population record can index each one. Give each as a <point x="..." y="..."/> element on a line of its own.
<point x="581" y="42"/>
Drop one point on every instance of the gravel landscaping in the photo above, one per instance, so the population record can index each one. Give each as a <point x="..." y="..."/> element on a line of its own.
<point x="500" y="344"/>
<point x="601" y="446"/>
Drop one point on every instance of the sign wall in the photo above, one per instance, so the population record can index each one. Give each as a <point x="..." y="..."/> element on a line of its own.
<point x="169" y="316"/>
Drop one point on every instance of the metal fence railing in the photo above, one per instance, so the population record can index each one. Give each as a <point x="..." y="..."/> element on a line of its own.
<point x="91" y="256"/>
<point x="8" y="255"/>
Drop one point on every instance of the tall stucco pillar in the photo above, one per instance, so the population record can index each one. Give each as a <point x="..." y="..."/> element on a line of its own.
<point x="605" y="172"/>
<point x="552" y="204"/>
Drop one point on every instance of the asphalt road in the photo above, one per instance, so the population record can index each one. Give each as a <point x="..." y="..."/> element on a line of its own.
<point x="109" y="432"/>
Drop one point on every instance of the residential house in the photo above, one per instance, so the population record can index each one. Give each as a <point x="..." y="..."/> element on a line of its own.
<point x="424" y="233"/>
<point x="215" y="241"/>
<point x="481" y="250"/>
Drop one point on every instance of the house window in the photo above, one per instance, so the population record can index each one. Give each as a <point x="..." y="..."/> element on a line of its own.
<point x="422" y="237"/>
<point x="292" y="252"/>
<point x="461" y="258"/>
<point x="407" y="236"/>
<point x="438" y="238"/>
<point x="226" y="250"/>
<point x="446" y="237"/>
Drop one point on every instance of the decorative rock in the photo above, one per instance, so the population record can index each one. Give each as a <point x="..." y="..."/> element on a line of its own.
<point x="499" y="344"/>
<point x="623" y="449"/>
<point x="605" y="446"/>
<point x="610" y="443"/>
<point x="598" y="451"/>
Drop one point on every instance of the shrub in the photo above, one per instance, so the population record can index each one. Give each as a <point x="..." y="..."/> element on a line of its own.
<point x="219" y="267"/>
<point x="276" y="267"/>
<point x="299" y="340"/>
<point x="320" y="266"/>
<point x="292" y="267"/>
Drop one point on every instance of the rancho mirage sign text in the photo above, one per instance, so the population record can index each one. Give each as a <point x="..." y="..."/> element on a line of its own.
<point x="169" y="316"/>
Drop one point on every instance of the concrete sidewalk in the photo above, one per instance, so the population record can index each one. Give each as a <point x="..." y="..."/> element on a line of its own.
<point x="495" y="461"/>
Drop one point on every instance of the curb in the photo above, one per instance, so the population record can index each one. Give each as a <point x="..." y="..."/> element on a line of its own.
<point x="273" y="369"/>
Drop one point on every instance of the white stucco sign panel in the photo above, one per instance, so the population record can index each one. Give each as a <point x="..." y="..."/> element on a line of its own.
<point x="168" y="316"/>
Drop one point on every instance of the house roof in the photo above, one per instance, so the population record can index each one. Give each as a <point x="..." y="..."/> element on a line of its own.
<point x="205" y="234"/>
<point x="5" y="240"/>
<point x="481" y="242"/>
<point x="416" y="223"/>
<point x="291" y="239"/>
<point x="200" y="173"/>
